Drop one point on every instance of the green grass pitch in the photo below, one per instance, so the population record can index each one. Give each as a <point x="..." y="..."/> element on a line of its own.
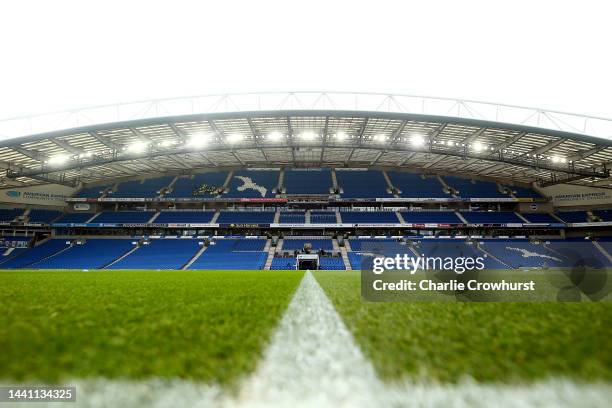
<point x="201" y="325"/>
<point x="490" y="342"/>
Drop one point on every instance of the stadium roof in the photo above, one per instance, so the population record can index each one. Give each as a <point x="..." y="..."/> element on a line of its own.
<point x="307" y="129"/>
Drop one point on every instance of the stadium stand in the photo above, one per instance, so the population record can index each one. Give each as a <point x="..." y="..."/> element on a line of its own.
<point x="253" y="184"/>
<point x="92" y="192"/>
<point x="603" y="215"/>
<point x="290" y="244"/>
<point x="331" y="263"/>
<point x="434" y="217"/>
<point x="9" y="214"/>
<point x="455" y="248"/>
<point x="369" y="217"/>
<point x="292" y="218"/>
<point x="226" y="254"/>
<point x="523" y="192"/>
<point x="43" y="216"/>
<point x="540" y="218"/>
<point x="414" y="185"/>
<point x="362" y="184"/>
<point x="10" y="247"/>
<point x="280" y="264"/>
<point x="36" y="253"/>
<point x="491" y="217"/>
<point x="322" y="217"/>
<point x="141" y="188"/>
<point x="92" y="254"/>
<point x="521" y="253"/>
<point x="573" y="216"/>
<point x="307" y="181"/>
<point x="246" y="217"/>
<point x="76" y="218"/>
<point x="473" y="188"/>
<point x="123" y="217"/>
<point x="160" y="254"/>
<point x="189" y="186"/>
<point x="187" y="217"/>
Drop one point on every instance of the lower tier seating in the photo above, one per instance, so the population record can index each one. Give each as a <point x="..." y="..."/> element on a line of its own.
<point x="160" y="254"/>
<point x="237" y="254"/>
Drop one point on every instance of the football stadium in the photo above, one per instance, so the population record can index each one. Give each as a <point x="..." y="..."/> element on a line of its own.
<point x="210" y="251"/>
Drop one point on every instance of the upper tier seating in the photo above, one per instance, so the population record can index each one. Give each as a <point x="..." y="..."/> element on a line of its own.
<point x="290" y="244"/>
<point x="366" y="244"/>
<point x="9" y="214"/>
<point x="43" y="216"/>
<point x="604" y="215"/>
<point x="573" y="216"/>
<point x="292" y="218"/>
<point x="92" y="192"/>
<point x="77" y="218"/>
<point x="523" y="192"/>
<point x="148" y="188"/>
<point x="475" y="189"/>
<point x="253" y="184"/>
<point x="93" y="254"/>
<point x="307" y="181"/>
<point x="127" y="217"/>
<point x="187" y="186"/>
<point x="239" y="254"/>
<point x="186" y="217"/>
<point x="413" y="185"/>
<point x="322" y="217"/>
<point x="369" y="217"/>
<point x="490" y="217"/>
<point x="430" y="217"/>
<point x="160" y="254"/>
<point x="36" y="253"/>
<point x="246" y="217"/>
<point x="540" y="218"/>
<point x="362" y="184"/>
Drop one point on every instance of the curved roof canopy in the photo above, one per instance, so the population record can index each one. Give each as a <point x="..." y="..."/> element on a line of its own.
<point x="307" y="137"/>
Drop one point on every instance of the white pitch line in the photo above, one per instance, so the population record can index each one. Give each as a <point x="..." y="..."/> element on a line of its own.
<point x="313" y="361"/>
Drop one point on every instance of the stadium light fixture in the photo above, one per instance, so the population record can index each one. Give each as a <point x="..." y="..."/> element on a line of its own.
<point x="308" y="135"/>
<point x="198" y="140"/>
<point x="341" y="136"/>
<point x="380" y="138"/>
<point x="58" y="159"/>
<point x="417" y="140"/>
<point x="167" y="143"/>
<point x="274" y="136"/>
<point x="478" y="147"/>
<point x="137" y="147"/>
<point x="234" y="138"/>
<point x="557" y="159"/>
<point x="85" y="155"/>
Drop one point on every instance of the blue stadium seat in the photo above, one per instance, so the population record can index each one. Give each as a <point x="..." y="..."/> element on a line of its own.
<point x="292" y="217"/>
<point x="43" y="216"/>
<point x="491" y="217"/>
<point x="160" y="254"/>
<point x="474" y="189"/>
<point x="322" y="217"/>
<point x="228" y="254"/>
<point x="430" y="217"/>
<point x="187" y="186"/>
<point x="308" y="181"/>
<point x="281" y="264"/>
<point x="126" y="217"/>
<point x="148" y="188"/>
<point x="92" y="192"/>
<point x="77" y="218"/>
<point x="291" y="244"/>
<point x="523" y="192"/>
<point x="369" y="217"/>
<point x="93" y="254"/>
<point x="261" y="184"/>
<point x="540" y="218"/>
<point x="331" y="263"/>
<point x="413" y="185"/>
<point x="9" y="214"/>
<point x="36" y="253"/>
<point x="604" y="215"/>
<point x="362" y="184"/>
<point x="187" y="217"/>
<point x="573" y="216"/>
<point x="246" y="217"/>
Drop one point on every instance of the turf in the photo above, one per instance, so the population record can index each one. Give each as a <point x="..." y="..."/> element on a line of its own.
<point x="200" y="325"/>
<point x="489" y="342"/>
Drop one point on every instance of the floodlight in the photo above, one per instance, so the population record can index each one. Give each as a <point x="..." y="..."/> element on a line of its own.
<point x="341" y="136"/>
<point x="380" y="138"/>
<point x="167" y="143"/>
<point x="308" y="135"/>
<point x="274" y="136"/>
<point x="417" y="140"/>
<point x="234" y="138"/>
<point x="137" y="147"/>
<point x="478" y="147"/>
<point x="58" y="159"/>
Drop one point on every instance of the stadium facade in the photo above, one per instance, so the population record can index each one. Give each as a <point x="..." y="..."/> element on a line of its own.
<point x="253" y="189"/>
